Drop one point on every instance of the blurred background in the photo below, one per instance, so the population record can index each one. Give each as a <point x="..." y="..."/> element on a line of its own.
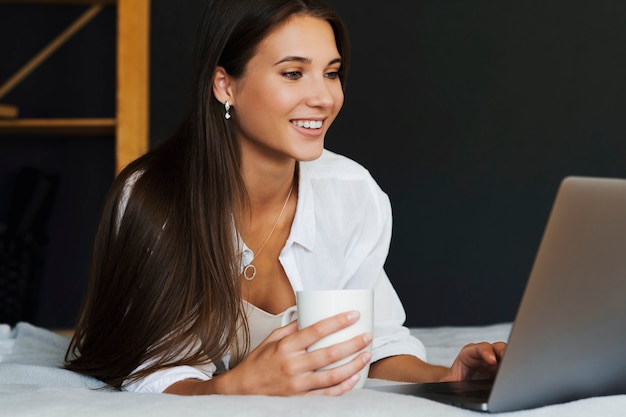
<point x="467" y="113"/>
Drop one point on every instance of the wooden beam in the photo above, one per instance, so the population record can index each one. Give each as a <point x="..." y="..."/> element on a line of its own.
<point x="132" y="80"/>
<point x="70" y="2"/>
<point x="56" y="43"/>
<point x="65" y="127"/>
<point x="8" y="111"/>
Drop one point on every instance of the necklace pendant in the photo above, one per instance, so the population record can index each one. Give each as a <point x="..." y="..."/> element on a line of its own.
<point x="249" y="272"/>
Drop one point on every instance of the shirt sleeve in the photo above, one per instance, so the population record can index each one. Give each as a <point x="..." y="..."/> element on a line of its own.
<point x="343" y="234"/>
<point x="391" y="336"/>
<point x="158" y="381"/>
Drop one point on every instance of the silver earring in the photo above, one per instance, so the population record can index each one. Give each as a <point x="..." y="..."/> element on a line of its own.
<point x="227" y="108"/>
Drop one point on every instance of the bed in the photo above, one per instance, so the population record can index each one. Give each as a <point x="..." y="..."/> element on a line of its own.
<point x="32" y="384"/>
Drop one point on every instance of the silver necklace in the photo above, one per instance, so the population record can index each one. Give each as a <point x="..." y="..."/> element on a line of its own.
<point x="249" y="272"/>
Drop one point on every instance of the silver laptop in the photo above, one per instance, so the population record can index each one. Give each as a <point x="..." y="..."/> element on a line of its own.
<point x="568" y="340"/>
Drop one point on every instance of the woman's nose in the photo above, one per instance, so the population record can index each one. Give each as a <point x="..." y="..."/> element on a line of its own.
<point x="322" y="92"/>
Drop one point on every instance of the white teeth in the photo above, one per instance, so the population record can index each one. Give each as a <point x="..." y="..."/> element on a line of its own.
<point x="308" y="124"/>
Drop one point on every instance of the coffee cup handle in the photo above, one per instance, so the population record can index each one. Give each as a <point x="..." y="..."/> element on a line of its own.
<point x="290" y="315"/>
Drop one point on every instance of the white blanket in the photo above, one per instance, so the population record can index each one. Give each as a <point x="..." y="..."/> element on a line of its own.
<point x="32" y="384"/>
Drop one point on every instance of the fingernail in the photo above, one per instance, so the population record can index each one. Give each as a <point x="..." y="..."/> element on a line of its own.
<point x="355" y="378"/>
<point x="367" y="338"/>
<point x="366" y="357"/>
<point x="353" y="315"/>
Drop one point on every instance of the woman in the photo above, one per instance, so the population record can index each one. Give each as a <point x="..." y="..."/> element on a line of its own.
<point x="204" y="239"/>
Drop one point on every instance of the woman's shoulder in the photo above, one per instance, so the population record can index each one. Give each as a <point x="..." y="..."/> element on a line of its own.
<point x="335" y="176"/>
<point x="343" y="195"/>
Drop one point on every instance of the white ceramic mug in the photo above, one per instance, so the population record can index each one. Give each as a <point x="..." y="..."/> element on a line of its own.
<point x="315" y="305"/>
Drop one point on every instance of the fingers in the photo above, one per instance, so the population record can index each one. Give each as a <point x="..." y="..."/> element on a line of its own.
<point x="339" y="380"/>
<point x="337" y="390"/>
<point x="283" y="332"/>
<point x="344" y="356"/>
<point x="285" y="358"/>
<point x="499" y="348"/>
<point x="326" y="356"/>
<point x="311" y="334"/>
<point x="477" y="353"/>
<point x="486" y="353"/>
<point x="311" y="361"/>
<point x="477" y="361"/>
<point x="492" y="352"/>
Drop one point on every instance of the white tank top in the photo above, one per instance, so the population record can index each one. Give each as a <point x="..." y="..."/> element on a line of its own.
<point x="261" y="323"/>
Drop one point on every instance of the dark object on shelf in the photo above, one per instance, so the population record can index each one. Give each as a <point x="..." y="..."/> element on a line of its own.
<point x="22" y="244"/>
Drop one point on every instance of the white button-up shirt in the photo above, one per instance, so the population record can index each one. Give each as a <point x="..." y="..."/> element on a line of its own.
<point x="339" y="238"/>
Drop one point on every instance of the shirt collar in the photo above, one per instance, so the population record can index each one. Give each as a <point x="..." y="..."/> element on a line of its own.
<point x="303" y="227"/>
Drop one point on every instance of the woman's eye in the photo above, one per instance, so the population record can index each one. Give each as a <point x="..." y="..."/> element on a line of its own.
<point x="332" y="75"/>
<point x="293" y="75"/>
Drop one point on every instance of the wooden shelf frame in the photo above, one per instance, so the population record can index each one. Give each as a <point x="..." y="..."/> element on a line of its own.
<point x="85" y="2"/>
<point x="130" y="125"/>
<point x="87" y="127"/>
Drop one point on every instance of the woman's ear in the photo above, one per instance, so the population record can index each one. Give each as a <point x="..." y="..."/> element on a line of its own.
<point x="223" y="86"/>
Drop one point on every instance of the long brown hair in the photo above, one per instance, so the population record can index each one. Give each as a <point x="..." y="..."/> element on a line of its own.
<point x="164" y="281"/>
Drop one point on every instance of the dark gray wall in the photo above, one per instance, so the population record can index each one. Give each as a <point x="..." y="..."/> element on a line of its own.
<point x="77" y="81"/>
<point x="468" y="113"/>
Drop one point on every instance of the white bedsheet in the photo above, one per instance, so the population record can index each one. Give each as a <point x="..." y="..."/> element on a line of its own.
<point x="32" y="384"/>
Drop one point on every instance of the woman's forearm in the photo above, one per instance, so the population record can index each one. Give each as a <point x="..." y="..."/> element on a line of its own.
<point x="406" y="368"/>
<point x="216" y="385"/>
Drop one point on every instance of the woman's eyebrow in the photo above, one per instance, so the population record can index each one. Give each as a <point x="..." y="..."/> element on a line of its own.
<point x="304" y="60"/>
<point x="295" y="59"/>
<point x="335" y="61"/>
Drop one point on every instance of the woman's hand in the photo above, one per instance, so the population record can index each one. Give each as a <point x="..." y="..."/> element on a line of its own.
<point x="281" y="365"/>
<point x="476" y="361"/>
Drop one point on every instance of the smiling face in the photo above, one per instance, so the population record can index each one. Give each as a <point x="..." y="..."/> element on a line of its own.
<point x="290" y="92"/>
